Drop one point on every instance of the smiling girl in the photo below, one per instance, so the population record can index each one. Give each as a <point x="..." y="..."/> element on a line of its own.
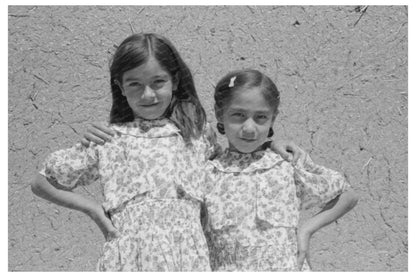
<point x="150" y="216"/>
<point x="254" y="196"/>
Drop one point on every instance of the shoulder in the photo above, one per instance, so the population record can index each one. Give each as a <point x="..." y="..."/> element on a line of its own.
<point x="245" y="163"/>
<point x="306" y="163"/>
<point x="273" y="161"/>
<point x="74" y="152"/>
<point x="209" y="134"/>
<point x="209" y="130"/>
<point x="208" y="142"/>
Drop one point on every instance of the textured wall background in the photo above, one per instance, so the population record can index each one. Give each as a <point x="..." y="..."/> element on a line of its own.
<point x="342" y="71"/>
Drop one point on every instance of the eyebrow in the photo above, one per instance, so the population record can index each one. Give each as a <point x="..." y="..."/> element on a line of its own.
<point x="238" y="109"/>
<point x="154" y="77"/>
<point x="132" y="79"/>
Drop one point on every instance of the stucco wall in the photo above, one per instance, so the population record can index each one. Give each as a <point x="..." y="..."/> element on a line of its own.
<point x="343" y="77"/>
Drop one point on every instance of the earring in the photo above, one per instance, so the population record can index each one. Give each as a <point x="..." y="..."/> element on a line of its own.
<point x="220" y="128"/>
<point x="271" y="133"/>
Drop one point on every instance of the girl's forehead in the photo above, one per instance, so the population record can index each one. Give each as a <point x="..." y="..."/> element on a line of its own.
<point x="150" y="69"/>
<point x="251" y="99"/>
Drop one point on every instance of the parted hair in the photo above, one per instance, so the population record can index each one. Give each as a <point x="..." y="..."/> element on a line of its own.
<point x="185" y="109"/>
<point x="245" y="79"/>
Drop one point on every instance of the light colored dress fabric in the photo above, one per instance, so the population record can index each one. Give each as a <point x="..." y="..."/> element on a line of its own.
<point x="253" y="205"/>
<point x="152" y="191"/>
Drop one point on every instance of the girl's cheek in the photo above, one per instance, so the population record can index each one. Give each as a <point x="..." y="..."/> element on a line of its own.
<point x="232" y="127"/>
<point x="132" y="94"/>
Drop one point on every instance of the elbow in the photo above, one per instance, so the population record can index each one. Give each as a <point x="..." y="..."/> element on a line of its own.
<point x="353" y="199"/>
<point x="36" y="185"/>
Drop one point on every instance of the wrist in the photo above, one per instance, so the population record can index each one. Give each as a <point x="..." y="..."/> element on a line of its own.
<point x="306" y="230"/>
<point x="93" y="210"/>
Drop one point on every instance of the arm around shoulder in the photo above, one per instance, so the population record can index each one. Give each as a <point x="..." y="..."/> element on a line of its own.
<point x="288" y="150"/>
<point x="214" y="149"/>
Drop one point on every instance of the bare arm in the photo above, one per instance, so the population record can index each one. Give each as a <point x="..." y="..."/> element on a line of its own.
<point x="331" y="212"/>
<point x="62" y="196"/>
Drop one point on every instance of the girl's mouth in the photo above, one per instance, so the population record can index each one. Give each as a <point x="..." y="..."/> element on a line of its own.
<point x="149" y="105"/>
<point x="247" y="140"/>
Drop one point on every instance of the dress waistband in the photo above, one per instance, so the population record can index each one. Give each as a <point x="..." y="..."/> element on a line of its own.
<point x="157" y="213"/>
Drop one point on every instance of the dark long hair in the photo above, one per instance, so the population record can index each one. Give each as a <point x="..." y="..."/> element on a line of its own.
<point x="185" y="109"/>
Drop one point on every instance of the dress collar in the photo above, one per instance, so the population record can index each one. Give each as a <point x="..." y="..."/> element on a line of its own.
<point x="234" y="162"/>
<point x="147" y="128"/>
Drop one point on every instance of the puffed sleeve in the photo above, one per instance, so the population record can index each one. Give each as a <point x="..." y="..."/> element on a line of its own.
<point x="73" y="166"/>
<point x="316" y="184"/>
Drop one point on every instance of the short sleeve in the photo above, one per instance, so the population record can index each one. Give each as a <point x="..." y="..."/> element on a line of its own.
<point x="317" y="185"/>
<point x="73" y="166"/>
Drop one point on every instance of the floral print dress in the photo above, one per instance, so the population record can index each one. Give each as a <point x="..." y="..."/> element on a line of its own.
<point x="253" y="205"/>
<point x="152" y="191"/>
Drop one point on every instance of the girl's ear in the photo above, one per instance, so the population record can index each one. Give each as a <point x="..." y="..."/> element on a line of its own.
<point x="175" y="81"/>
<point x="218" y="113"/>
<point x="274" y="116"/>
<point x="120" y="86"/>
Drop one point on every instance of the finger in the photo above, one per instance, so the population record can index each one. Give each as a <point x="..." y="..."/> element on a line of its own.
<point x="85" y="142"/>
<point x="277" y="148"/>
<point x="295" y="158"/>
<point x="301" y="260"/>
<point x="280" y="150"/>
<point x="93" y="138"/>
<point x="302" y="156"/>
<point x="287" y="155"/>
<point x="99" y="134"/>
<point x="112" y="234"/>
<point x="103" y="128"/>
<point x="308" y="259"/>
<point x="108" y="237"/>
<point x="296" y="152"/>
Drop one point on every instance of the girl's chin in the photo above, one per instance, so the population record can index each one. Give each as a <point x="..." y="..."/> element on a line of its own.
<point x="150" y="116"/>
<point x="245" y="148"/>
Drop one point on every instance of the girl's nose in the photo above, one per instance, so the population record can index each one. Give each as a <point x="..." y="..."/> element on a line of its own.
<point x="249" y="128"/>
<point x="148" y="93"/>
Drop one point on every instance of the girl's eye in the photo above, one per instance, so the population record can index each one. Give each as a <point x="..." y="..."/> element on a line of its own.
<point x="238" y="114"/>
<point x="262" y="118"/>
<point x="158" y="83"/>
<point x="135" y="84"/>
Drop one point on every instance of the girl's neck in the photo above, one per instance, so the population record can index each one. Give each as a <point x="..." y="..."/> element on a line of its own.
<point x="264" y="146"/>
<point x="137" y="118"/>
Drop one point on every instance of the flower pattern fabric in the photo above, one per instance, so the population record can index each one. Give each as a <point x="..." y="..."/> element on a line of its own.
<point x="152" y="191"/>
<point x="253" y="202"/>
